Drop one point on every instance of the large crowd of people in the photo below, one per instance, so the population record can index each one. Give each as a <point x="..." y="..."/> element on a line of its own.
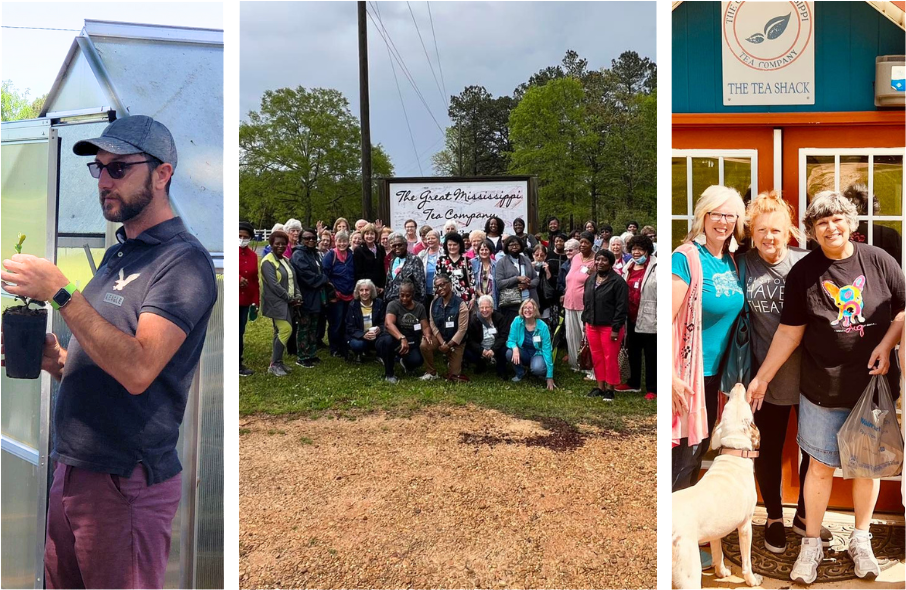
<point x="498" y="297"/>
<point x="822" y="323"/>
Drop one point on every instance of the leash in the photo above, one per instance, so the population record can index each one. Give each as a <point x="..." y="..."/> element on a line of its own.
<point x="738" y="453"/>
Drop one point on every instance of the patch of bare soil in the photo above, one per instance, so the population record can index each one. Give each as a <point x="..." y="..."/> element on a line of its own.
<point x="449" y="498"/>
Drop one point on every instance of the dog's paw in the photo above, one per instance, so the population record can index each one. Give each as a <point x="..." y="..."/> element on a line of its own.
<point x="753" y="579"/>
<point x="721" y="571"/>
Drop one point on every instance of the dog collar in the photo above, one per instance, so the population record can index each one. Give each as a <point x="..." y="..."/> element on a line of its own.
<point x="738" y="453"/>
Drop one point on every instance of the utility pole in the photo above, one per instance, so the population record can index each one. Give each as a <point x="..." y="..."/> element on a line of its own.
<point x="365" y="116"/>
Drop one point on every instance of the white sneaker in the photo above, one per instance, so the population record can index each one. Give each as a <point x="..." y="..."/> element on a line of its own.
<point x="428" y="377"/>
<point x="276" y="370"/>
<point x="864" y="558"/>
<point x="810" y="556"/>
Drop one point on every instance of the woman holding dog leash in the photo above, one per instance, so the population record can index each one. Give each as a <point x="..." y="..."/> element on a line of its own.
<point x="844" y="303"/>
<point x="707" y="299"/>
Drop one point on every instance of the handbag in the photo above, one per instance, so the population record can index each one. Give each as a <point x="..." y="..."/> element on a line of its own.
<point x="737" y="361"/>
<point x="870" y="441"/>
<point x="509" y="297"/>
<point x="623" y="360"/>
<point x="586" y="363"/>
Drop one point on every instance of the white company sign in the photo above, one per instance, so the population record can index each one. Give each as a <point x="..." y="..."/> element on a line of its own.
<point x="768" y="53"/>
<point x="469" y="203"/>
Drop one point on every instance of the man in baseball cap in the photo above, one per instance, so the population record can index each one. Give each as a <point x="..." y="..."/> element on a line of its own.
<point x="138" y="328"/>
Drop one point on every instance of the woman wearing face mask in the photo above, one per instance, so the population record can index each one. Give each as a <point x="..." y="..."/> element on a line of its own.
<point x="248" y="285"/>
<point x="516" y="279"/>
<point x="606" y="300"/>
<point x="640" y="274"/>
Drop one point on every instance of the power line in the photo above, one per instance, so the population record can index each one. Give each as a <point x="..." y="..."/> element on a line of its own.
<point x="396" y="54"/>
<point x="403" y="104"/>
<point x="439" y="65"/>
<point x="422" y="41"/>
<point x="40" y="28"/>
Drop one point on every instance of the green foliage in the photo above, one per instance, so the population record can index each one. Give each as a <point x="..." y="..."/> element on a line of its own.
<point x="338" y="389"/>
<point x="478" y="141"/>
<point x="301" y="157"/>
<point x="17" y="105"/>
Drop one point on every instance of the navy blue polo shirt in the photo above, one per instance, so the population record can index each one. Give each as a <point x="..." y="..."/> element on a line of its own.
<point x="100" y="426"/>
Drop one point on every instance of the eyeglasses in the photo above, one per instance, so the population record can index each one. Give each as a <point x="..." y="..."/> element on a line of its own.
<point x="308" y="238"/>
<point x="729" y="217"/>
<point x="116" y="170"/>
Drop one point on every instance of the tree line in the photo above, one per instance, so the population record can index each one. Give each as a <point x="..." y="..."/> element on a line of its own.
<point x="589" y="135"/>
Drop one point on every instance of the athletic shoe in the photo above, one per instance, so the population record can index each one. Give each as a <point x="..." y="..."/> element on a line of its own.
<point x="805" y="571"/>
<point x="285" y="368"/>
<point x="625" y="388"/>
<point x="775" y="537"/>
<point x="458" y="378"/>
<point x="516" y="379"/>
<point x="338" y="355"/>
<point x="650" y="396"/>
<point x="391" y="380"/>
<point x="276" y="371"/>
<point x="608" y="395"/>
<point x="862" y="555"/>
<point x="403" y="365"/>
<point x="315" y="360"/>
<point x="306" y="363"/>
<point x="300" y="362"/>
<point x="595" y="393"/>
<point x="590" y="377"/>
<point x="799" y="529"/>
<point x="245" y="371"/>
<point x="429" y="377"/>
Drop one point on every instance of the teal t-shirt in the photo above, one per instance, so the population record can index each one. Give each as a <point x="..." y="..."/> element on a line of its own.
<point x="722" y="300"/>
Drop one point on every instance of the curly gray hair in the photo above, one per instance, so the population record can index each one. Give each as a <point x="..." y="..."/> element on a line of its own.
<point x="827" y="204"/>
<point x="364" y="283"/>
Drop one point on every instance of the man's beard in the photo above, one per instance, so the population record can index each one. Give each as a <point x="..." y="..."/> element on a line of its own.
<point x="127" y="211"/>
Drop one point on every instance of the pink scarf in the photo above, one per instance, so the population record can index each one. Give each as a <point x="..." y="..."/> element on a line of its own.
<point x="687" y="354"/>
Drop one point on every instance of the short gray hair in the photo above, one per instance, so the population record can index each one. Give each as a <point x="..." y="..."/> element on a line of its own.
<point x="341" y="235"/>
<point x="396" y="236"/>
<point x="292" y="224"/>
<point x="828" y="204"/>
<point x="571" y="243"/>
<point x="365" y="283"/>
<point x="486" y="299"/>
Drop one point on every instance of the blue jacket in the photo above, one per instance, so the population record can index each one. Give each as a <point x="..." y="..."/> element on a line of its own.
<point x="355" y="322"/>
<point x="340" y="274"/>
<point x="517" y="331"/>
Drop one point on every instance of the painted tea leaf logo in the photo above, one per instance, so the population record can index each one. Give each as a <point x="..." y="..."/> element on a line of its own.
<point x="776" y="26"/>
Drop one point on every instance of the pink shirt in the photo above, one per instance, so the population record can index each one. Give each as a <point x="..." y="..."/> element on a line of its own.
<point x="575" y="283"/>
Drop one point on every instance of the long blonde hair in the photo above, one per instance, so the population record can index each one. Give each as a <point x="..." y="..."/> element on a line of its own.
<point x="713" y="197"/>
<point x="772" y="202"/>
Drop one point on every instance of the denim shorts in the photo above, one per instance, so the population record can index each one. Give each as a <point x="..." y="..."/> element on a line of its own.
<point x="818" y="428"/>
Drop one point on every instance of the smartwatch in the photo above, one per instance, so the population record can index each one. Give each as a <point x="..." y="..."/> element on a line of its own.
<point x="63" y="296"/>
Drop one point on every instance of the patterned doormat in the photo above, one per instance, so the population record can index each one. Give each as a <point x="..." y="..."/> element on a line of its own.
<point x="888" y="543"/>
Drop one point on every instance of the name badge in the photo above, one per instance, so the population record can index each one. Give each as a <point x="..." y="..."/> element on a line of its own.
<point x="638" y="285"/>
<point x="448" y="325"/>
<point x="536" y="339"/>
<point x="417" y="328"/>
<point x="457" y="273"/>
<point x="586" y="270"/>
<point x="492" y="331"/>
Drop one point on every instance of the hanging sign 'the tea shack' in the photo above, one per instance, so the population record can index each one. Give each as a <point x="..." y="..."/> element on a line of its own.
<point x="768" y="53"/>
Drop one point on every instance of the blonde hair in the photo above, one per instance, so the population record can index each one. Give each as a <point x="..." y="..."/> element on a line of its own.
<point x="771" y="202"/>
<point x="477" y="235"/>
<point x="526" y="302"/>
<point x="337" y="222"/>
<point x="713" y="197"/>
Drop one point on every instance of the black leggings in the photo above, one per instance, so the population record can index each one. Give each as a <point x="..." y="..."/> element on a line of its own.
<point x="638" y="344"/>
<point x="772" y="421"/>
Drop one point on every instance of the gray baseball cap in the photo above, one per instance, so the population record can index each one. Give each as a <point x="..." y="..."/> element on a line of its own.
<point x="132" y="135"/>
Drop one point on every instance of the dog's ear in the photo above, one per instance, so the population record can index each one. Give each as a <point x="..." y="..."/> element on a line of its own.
<point x="754" y="434"/>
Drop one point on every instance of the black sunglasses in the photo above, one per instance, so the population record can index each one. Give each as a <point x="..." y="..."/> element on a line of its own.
<point x="116" y="170"/>
<point x="307" y="238"/>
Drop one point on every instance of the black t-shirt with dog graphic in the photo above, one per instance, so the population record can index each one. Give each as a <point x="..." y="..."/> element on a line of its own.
<point x="847" y="307"/>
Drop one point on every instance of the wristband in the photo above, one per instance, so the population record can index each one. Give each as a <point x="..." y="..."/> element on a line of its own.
<point x="63" y="296"/>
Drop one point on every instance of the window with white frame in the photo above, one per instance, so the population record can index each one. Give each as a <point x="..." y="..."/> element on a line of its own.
<point x="696" y="170"/>
<point x="872" y="179"/>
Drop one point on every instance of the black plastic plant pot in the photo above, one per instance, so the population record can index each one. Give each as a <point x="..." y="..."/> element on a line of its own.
<point x="23" y="341"/>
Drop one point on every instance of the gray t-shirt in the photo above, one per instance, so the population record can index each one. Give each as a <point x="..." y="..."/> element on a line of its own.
<point x="765" y="286"/>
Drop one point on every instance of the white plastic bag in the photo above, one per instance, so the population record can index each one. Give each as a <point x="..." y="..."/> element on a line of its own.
<point x="870" y="442"/>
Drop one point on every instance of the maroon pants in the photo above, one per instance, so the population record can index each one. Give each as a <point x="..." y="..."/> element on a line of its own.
<point x="106" y="531"/>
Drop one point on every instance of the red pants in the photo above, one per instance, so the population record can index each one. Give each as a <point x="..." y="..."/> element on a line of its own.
<point x="605" y="352"/>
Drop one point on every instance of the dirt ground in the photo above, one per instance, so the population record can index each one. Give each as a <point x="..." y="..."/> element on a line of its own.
<point x="448" y="498"/>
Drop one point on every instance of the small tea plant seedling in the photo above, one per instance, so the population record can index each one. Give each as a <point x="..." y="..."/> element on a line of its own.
<point x="26" y="301"/>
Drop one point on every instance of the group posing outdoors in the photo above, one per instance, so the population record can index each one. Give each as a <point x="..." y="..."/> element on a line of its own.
<point x="490" y="299"/>
<point x="823" y="323"/>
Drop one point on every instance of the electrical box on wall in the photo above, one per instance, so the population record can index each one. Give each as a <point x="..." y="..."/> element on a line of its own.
<point x="890" y="85"/>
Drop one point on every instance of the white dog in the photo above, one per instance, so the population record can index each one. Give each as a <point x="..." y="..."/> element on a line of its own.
<point x="722" y="501"/>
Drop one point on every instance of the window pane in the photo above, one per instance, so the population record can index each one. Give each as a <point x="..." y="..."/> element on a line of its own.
<point x="738" y="175"/>
<point x="20" y="524"/>
<point x="705" y="172"/>
<point x="74" y="264"/>
<point x="819" y="174"/>
<point x="679" y="227"/>
<point x="888" y="185"/>
<point x="854" y="181"/>
<point x="888" y="235"/>
<point x="679" y="187"/>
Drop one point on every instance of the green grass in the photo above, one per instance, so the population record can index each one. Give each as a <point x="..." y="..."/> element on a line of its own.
<point x="341" y="390"/>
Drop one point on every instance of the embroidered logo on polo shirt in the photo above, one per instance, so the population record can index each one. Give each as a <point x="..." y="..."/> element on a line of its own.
<point x="123" y="282"/>
<point x="114" y="299"/>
